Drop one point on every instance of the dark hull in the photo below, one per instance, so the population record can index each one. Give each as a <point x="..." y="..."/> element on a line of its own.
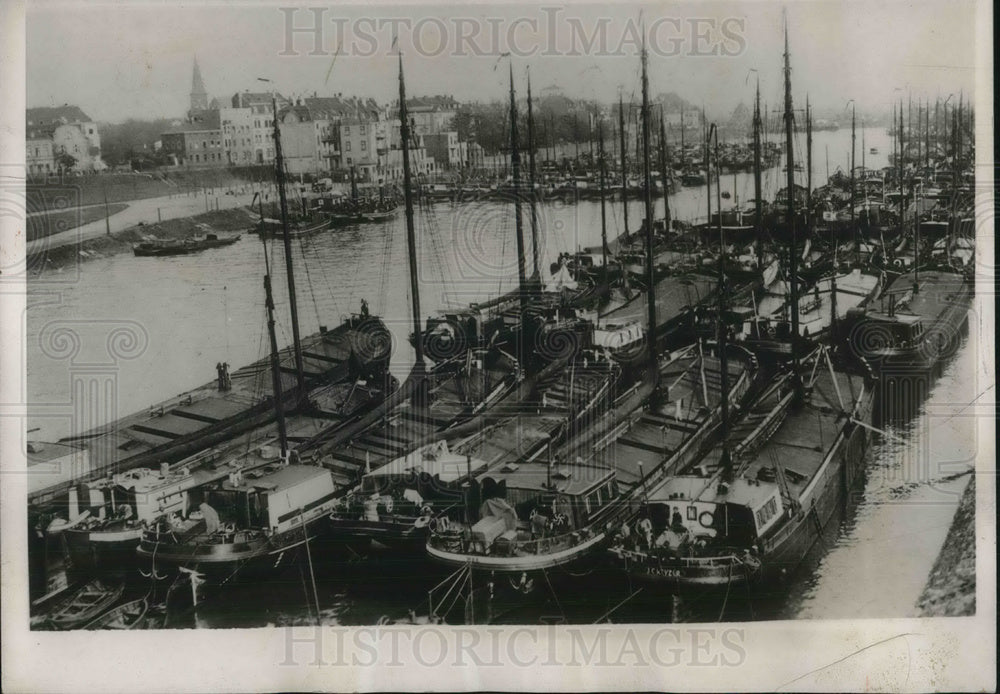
<point x="343" y="220"/>
<point x="939" y="341"/>
<point x="399" y="536"/>
<point x="932" y="350"/>
<point x="103" y="553"/>
<point x="722" y="573"/>
<point x="219" y="563"/>
<point x="296" y="230"/>
<point x="785" y="550"/>
<point x="157" y="251"/>
<point x="784" y="547"/>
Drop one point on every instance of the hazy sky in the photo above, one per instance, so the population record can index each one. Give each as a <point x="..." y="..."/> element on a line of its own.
<point x="133" y="59"/>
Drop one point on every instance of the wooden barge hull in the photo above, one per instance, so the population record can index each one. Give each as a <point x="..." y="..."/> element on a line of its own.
<point x="207" y="416"/>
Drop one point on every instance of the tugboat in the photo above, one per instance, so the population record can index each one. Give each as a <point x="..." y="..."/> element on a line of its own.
<point x="916" y="323"/>
<point x="121" y="507"/>
<point x="398" y="504"/>
<point x="250" y="519"/>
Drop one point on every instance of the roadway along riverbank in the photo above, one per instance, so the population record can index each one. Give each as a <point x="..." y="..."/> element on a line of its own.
<point x="148" y="211"/>
<point x="235" y="220"/>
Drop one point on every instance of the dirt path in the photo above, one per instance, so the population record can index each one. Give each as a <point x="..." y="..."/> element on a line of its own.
<point x="147" y="212"/>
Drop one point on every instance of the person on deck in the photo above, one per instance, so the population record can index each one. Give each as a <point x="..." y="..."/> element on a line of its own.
<point x="211" y="517"/>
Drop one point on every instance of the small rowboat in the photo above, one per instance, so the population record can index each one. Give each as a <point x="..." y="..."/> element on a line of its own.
<point x="89" y="602"/>
<point x="129" y="615"/>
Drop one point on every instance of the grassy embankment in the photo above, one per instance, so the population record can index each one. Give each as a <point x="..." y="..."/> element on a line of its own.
<point x="951" y="587"/>
<point x="42" y="194"/>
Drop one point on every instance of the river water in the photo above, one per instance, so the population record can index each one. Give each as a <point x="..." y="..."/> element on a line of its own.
<point x="188" y="313"/>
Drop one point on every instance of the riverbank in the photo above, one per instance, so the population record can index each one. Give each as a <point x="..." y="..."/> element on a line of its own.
<point x="951" y="587"/>
<point x="48" y="223"/>
<point x="97" y="189"/>
<point x="233" y="220"/>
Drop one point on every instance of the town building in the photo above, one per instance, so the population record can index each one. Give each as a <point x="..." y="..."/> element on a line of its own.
<point x="363" y="139"/>
<point x="53" y="135"/>
<point x="431" y="114"/>
<point x="238" y="136"/>
<point x="198" y="142"/>
<point x="307" y="144"/>
<point x="445" y="148"/>
<point x="261" y="116"/>
<point x="40" y="156"/>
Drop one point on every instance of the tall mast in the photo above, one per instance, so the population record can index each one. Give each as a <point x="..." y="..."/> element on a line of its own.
<point x="758" y="203"/>
<point x="956" y="172"/>
<point x="576" y="139"/>
<point x="902" y="196"/>
<point x="727" y="463"/>
<point x="289" y="271"/>
<point x="531" y="184"/>
<point x="552" y="128"/>
<point x="956" y="128"/>
<point x="792" y="259"/>
<point x="515" y="165"/>
<point x="603" y="173"/>
<point x="411" y="236"/>
<point x="809" y="169"/>
<point x="650" y="284"/>
<point x="854" y="226"/>
<point x="708" y="170"/>
<point x="279" y="396"/>
<point x="683" y="159"/>
<point x="621" y="135"/>
<point x="916" y="242"/>
<point x="927" y="135"/>
<point x="663" y="174"/>
<point x="937" y="121"/>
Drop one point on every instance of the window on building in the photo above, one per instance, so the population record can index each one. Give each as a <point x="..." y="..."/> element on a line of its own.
<point x="362" y="128"/>
<point x="347" y="147"/>
<point x="364" y="145"/>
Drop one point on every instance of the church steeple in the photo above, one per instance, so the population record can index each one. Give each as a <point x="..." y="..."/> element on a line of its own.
<point x="199" y="97"/>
